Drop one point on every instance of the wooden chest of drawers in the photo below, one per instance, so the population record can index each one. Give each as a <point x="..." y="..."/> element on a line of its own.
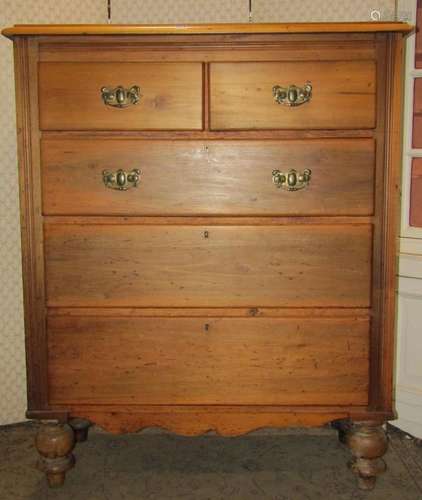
<point x="209" y="217"/>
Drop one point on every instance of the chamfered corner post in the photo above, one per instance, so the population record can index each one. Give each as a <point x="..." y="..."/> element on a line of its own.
<point x="55" y="442"/>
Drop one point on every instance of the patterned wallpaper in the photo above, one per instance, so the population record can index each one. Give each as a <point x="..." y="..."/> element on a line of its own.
<point x="321" y="10"/>
<point x="202" y="11"/>
<point x="12" y="349"/>
<point x="179" y="11"/>
<point x="12" y="356"/>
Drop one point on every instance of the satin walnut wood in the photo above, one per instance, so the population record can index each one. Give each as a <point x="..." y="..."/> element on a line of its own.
<point x="208" y="266"/>
<point x="343" y="95"/>
<point x="190" y="178"/>
<point x="71" y="98"/>
<point x="207" y="361"/>
<point x="204" y="297"/>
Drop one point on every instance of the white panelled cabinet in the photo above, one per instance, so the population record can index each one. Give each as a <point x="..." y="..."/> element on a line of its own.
<point x="409" y="324"/>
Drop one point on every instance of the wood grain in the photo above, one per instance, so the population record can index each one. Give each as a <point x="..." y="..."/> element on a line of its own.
<point x="198" y="29"/>
<point x="194" y="423"/>
<point x="225" y="420"/>
<point x="191" y="361"/>
<point x="70" y="96"/>
<point x="377" y="256"/>
<point x="221" y="266"/>
<point x="212" y="135"/>
<point x="389" y="223"/>
<point x="25" y="55"/>
<point x="207" y="178"/>
<point x="352" y="313"/>
<point x="189" y="49"/>
<point x="209" y="220"/>
<point x="293" y="303"/>
<point x="343" y="95"/>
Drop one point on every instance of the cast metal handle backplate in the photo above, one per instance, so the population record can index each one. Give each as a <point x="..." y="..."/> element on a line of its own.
<point x="292" y="95"/>
<point x="120" y="97"/>
<point x="121" y="180"/>
<point x="292" y="180"/>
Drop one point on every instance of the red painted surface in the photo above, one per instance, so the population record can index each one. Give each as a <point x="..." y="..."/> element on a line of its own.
<point x="416" y="193"/>
<point x="417" y="114"/>
<point x="418" y="53"/>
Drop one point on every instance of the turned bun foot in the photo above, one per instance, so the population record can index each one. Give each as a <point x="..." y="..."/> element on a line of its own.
<point x="368" y="443"/>
<point x="55" y="443"/>
<point x="80" y="427"/>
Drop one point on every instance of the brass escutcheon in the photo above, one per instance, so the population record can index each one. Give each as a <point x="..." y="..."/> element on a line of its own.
<point x="292" y="95"/>
<point x="292" y="180"/>
<point x="121" y="180"/>
<point x="120" y="97"/>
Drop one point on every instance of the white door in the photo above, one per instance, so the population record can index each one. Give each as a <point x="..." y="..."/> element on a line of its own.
<point x="409" y="324"/>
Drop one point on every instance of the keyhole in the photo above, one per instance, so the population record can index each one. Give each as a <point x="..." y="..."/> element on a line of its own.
<point x="206" y="327"/>
<point x="206" y="234"/>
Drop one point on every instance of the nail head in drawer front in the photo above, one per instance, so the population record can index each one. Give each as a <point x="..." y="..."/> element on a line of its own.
<point x="224" y="178"/>
<point x="120" y="96"/>
<point x="296" y="95"/>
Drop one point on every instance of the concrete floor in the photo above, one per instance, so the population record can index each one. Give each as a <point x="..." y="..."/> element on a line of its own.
<point x="266" y="465"/>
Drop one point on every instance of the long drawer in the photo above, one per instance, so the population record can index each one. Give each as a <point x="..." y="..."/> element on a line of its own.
<point x="203" y="178"/>
<point x="218" y="266"/>
<point x="343" y="95"/>
<point x="122" y="360"/>
<point x="71" y="96"/>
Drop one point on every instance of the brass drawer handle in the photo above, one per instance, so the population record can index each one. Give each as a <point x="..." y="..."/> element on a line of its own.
<point x="120" y="179"/>
<point x="121" y="97"/>
<point x="292" y="95"/>
<point x="292" y="180"/>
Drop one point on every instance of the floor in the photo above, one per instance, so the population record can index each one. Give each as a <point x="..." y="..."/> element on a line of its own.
<point x="266" y="465"/>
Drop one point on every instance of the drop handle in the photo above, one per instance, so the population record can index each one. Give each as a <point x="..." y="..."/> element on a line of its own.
<point x="121" y="180"/>
<point x="121" y="97"/>
<point x="292" y="180"/>
<point x="292" y="95"/>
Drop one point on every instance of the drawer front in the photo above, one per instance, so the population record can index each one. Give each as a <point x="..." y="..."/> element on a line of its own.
<point x="216" y="266"/>
<point x="343" y="95"/>
<point x="170" y="96"/>
<point x="121" y="360"/>
<point x="197" y="178"/>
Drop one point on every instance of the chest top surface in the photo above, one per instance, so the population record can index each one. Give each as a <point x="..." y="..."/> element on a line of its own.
<point x="186" y="29"/>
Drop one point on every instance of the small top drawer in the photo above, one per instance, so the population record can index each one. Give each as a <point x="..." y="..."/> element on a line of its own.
<point x="312" y="95"/>
<point x="73" y="96"/>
